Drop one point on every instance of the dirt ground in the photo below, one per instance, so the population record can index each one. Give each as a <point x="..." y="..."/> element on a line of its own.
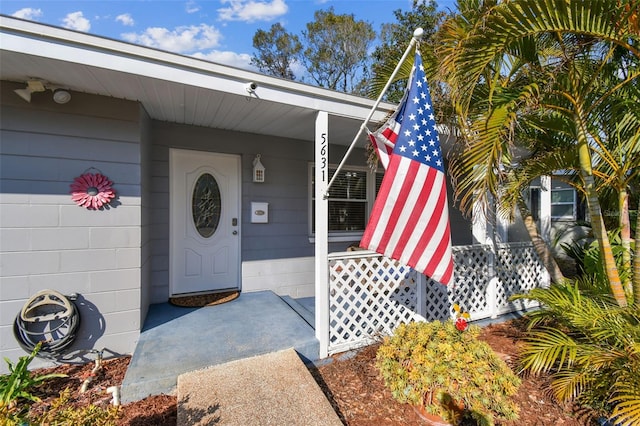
<point x="351" y="383"/>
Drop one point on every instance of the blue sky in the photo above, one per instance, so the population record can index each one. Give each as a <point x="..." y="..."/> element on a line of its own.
<point x="217" y="30"/>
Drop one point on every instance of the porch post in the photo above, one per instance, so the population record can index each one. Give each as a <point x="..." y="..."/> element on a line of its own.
<point x="502" y="227"/>
<point x="545" y="208"/>
<point x="482" y="229"/>
<point x="322" y="231"/>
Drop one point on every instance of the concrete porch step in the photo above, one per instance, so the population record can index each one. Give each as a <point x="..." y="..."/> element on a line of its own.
<point x="271" y="389"/>
<point x="305" y="313"/>
<point x="177" y="340"/>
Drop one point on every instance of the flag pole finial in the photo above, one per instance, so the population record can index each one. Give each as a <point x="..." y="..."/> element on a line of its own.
<point x="417" y="34"/>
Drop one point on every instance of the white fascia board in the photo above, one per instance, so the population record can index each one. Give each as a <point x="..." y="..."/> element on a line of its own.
<point x="92" y="51"/>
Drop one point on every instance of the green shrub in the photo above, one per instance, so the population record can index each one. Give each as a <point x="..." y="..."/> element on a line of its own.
<point x="62" y="413"/>
<point x="436" y="365"/>
<point x="18" y="386"/>
<point x="589" y="345"/>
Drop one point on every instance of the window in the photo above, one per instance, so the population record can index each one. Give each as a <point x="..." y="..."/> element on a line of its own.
<point x="563" y="203"/>
<point x="351" y="198"/>
<point x="206" y="205"/>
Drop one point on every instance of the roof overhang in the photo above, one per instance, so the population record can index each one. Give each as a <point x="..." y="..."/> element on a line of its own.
<point x="176" y="88"/>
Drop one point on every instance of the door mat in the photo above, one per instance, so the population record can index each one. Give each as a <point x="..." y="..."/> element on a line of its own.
<point x="200" y="300"/>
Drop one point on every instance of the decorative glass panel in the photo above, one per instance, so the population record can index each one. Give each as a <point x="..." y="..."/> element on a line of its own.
<point x="206" y="205"/>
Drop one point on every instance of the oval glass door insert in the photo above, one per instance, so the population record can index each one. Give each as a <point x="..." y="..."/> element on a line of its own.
<point x="206" y="205"/>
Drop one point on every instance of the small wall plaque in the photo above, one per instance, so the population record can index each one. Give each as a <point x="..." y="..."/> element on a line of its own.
<point x="259" y="212"/>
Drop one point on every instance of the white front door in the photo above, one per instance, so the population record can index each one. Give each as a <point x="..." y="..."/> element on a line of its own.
<point x="205" y="221"/>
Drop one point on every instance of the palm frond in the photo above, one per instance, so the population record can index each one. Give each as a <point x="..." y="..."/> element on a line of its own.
<point x="567" y="385"/>
<point x="548" y="349"/>
<point x="626" y="401"/>
<point x="511" y="22"/>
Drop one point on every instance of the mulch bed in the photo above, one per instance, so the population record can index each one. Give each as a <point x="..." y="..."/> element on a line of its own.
<point x="351" y="384"/>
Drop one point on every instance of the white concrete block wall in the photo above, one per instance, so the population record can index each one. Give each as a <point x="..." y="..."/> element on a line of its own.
<point x="293" y="277"/>
<point x="47" y="241"/>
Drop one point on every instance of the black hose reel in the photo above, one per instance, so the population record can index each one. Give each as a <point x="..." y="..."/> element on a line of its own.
<point x="50" y="318"/>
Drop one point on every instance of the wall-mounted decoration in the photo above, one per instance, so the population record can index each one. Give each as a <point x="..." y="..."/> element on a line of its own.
<point x="258" y="170"/>
<point x="92" y="190"/>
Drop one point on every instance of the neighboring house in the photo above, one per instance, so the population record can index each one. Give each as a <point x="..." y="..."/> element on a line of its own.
<point x="560" y="214"/>
<point x="163" y="127"/>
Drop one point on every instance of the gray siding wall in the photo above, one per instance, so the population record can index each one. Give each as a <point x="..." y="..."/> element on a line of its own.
<point x="46" y="240"/>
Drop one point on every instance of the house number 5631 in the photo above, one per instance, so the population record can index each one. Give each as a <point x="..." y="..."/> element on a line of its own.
<point x="323" y="154"/>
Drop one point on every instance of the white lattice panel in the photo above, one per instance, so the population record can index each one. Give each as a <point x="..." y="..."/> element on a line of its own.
<point x="519" y="270"/>
<point x="370" y="294"/>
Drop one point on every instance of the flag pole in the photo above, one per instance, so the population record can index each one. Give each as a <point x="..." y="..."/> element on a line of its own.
<point x="417" y="35"/>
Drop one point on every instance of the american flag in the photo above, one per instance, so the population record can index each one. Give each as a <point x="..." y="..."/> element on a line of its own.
<point x="410" y="217"/>
<point x="386" y="136"/>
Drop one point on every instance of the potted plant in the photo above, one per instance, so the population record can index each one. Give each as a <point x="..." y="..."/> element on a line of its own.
<point x="442" y="369"/>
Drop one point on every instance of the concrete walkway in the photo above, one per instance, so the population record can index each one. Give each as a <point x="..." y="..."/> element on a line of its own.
<point x="177" y="340"/>
<point x="272" y="389"/>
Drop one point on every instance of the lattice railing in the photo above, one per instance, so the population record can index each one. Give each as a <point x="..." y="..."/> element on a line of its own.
<point x="519" y="270"/>
<point x="370" y="295"/>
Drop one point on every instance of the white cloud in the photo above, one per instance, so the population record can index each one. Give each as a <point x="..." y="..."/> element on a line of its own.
<point x="252" y="10"/>
<point x="298" y="69"/>
<point x="239" y="60"/>
<point x="28" y="13"/>
<point x="180" y="40"/>
<point x="77" y="21"/>
<point x="125" y="19"/>
<point x="192" y="7"/>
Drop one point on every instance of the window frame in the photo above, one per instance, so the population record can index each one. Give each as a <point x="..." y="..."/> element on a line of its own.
<point x="342" y="236"/>
<point x="573" y="203"/>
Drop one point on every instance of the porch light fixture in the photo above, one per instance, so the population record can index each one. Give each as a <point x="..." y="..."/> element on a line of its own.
<point x="61" y="96"/>
<point x="32" y="87"/>
<point x="258" y="170"/>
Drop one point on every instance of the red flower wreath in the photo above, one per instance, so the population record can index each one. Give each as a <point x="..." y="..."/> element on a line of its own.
<point x="92" y="190"/>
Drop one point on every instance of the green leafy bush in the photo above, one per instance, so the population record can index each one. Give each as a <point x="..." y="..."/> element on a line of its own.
<point x="589" y="345"/>
<point x="18" y="386"/>
<point x="449" y="372"/>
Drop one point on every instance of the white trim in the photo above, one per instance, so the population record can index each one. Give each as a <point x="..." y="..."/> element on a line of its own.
<point x="322" y="232"/>
<point x="342" y="238"/>
<point x="545" y="208"/>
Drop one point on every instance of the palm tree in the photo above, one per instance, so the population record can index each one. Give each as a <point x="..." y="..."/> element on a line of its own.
<point x="539" y="72"/>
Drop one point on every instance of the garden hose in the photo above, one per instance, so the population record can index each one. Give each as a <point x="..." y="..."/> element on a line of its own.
<point x="50" y="318"/>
